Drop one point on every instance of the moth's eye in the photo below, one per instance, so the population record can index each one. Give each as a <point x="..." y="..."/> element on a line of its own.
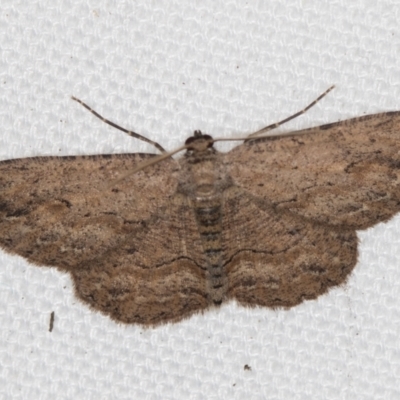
<point x="189" y="140"/>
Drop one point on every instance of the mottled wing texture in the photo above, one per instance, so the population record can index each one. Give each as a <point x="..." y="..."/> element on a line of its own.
<point x="125" y="245"/>
<point x="344" y="174"/>
<point x="278" y="259"/>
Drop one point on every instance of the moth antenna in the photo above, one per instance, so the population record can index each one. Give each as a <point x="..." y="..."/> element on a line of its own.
<point x="130" y="133"/>
<point x="246" y="138"/>
<point x="276" y="124"/>
<point x="255" y="135"/>
<point x="146" y="164"/>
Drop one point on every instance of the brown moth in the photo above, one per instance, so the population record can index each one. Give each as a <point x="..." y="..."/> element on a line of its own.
<point x="271" y="223"/>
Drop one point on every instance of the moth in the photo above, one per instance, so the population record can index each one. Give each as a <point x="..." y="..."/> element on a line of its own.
<point x="148" y="239"/>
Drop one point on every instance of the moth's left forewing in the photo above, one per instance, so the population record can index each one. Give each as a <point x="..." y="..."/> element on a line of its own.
<point x="61" y="211"/>
<point x="346" y="173"/>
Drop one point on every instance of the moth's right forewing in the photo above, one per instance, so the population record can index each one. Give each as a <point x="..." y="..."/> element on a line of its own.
<point x="347" y="173"/>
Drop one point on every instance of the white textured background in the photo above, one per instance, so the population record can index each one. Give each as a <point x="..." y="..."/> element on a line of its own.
<point x="165" y="69"/>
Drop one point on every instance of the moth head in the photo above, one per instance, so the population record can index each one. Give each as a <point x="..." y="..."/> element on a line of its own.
<point x="199" y="142"/>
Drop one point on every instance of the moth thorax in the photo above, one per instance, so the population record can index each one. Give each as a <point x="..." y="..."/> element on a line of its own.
<point x="205" y="190"/>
